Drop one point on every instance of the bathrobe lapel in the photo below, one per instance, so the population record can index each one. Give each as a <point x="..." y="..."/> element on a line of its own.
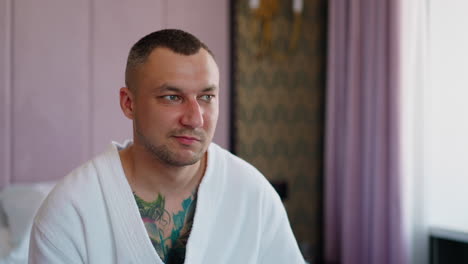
<point x="131" y="239"/>
<point x="132" y="242"/>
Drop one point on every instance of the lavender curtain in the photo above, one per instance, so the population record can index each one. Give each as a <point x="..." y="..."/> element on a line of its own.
<point x="363" y="218"/>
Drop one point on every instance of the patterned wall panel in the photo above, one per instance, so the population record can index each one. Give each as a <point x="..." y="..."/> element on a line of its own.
<point x="279" y="97"/>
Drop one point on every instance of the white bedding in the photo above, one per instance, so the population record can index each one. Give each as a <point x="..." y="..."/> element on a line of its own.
<point x="18" y="206"/>
<point x="5" y="247"/>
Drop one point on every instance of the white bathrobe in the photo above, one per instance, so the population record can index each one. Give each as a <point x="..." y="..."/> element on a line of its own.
<point x="91" y="217"/>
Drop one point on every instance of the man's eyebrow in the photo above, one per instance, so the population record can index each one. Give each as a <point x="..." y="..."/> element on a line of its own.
<point x="210" y="88"/>
<point x="169" y="88"/>
<point x="166" y="88"/>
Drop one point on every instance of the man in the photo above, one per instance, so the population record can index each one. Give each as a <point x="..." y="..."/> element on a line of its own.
<point x="170" y="195"/>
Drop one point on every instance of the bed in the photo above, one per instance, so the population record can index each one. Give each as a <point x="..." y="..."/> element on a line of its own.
<point x="18" y="205"/>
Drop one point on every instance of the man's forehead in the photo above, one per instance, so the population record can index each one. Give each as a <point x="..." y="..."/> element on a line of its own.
<point x="165" y="67"/>
<point x="163" y="60"/>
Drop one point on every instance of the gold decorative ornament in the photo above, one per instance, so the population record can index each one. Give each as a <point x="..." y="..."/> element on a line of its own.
<point x="264" y="11"/>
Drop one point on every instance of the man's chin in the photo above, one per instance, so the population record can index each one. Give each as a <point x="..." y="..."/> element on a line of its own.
<point x="185" y="158"/>
<point x="182" y="162"/>
<point x="176" y="155"/>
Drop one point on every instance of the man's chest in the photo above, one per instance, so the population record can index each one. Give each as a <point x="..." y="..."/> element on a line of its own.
<point x="168" y="228"/>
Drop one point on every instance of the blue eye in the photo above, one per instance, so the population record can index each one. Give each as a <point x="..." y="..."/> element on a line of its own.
<point x="171" y="97"/>
<point x="207" y="97"/>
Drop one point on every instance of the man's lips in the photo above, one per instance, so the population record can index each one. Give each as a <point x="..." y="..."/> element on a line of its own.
<point x="187" y="140"/>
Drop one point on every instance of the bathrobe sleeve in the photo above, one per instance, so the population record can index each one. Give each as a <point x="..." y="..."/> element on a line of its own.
<point x="43" y="251"/>
<point x="278" y="242"/>
<point x="57" y="234"/>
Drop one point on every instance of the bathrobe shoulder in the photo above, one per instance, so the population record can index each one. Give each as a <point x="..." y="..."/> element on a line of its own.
<point x="91" y="217"/>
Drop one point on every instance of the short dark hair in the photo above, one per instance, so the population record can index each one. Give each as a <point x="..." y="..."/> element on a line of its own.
<point x="177" y="40"/>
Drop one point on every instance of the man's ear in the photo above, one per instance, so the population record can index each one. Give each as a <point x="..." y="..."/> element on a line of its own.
<point x="127" y="102"/>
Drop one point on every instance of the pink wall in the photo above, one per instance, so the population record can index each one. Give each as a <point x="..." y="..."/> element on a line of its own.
<point x="61" y="65"/>
<point x="5" y="90"/>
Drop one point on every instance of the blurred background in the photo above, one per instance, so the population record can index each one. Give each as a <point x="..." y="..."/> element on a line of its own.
<point x="352" y="109"/>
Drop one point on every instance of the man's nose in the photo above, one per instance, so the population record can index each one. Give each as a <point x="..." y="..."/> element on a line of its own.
<point x="193" y="114"/>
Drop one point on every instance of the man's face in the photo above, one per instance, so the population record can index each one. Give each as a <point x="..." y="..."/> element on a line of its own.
<point x="176" y="105"/>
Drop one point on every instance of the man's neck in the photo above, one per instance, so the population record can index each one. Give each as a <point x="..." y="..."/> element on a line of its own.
<point x="149" y="177"/>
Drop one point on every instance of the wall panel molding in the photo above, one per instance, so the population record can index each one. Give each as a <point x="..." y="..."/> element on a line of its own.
<point x="91" y="76"/>
<point x="5" y="90"/>
<point x="116" y="27"/>
<point x="62" y="63"/>
<point x="49" y="105"/>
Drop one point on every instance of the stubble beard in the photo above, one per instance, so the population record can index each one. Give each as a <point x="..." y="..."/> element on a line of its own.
<point x="165" y="155"/>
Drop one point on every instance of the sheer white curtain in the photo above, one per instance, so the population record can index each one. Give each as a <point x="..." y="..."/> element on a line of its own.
<point x="414" y="65"/>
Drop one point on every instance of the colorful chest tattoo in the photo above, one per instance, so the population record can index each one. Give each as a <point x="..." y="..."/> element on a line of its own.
<point x="170" y="245"/>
